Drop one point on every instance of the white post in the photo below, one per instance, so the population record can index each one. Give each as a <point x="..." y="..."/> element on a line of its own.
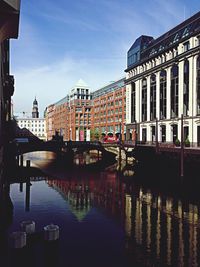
<point x="168" y="70"/>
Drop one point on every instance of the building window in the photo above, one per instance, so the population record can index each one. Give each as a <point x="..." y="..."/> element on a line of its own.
<point x="163" y="133"/>
<point x="144" y="99"/>
<point x="198" y="85"/>
<point x="174" y="91"/>
<point x="153" y="97"/>
<point x="163" y="94"/>
<point x="133" y="102"/>
<point x="174" y="129"/>
<point x="186" y="89"/>
<point x="186" y="46"/>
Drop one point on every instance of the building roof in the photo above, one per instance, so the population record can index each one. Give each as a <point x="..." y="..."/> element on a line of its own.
<point x="170" y="39"/>
<point x="35" y="103"/>
<point x="62" y="101"/>
<point x="113" y="86"/>
<point x="81" y="84"/>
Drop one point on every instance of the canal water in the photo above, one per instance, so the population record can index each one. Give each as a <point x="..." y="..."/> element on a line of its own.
<point x="105" y="221"/>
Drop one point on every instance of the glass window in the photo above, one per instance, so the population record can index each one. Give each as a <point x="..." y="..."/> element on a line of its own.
<point x="186" y="89"/>
<point x="174" y="91"/>
<point x="186" y="46"/>
<point x="163" y="94"/>
<point x="153" y="97"/>
<point x="133" y="102"/>
<point x="198" y="86"/>
<point x="144" y="99"/>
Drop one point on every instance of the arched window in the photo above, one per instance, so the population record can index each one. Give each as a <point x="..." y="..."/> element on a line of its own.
<point x="163" y="95"/>
<point x="174" y="91"/>
<point x="133" y="102"/>
<point x="153" y="97"/>
<point x="144" y="99"/>
<point x="186" y="89"/>
<point x="198" y="85"/>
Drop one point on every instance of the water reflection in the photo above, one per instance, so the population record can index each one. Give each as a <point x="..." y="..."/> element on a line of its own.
<point x="165" y="229"/>
<point x="152" y="228"/>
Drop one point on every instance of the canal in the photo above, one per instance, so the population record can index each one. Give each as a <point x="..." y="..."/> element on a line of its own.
<point x="105" y="220"/>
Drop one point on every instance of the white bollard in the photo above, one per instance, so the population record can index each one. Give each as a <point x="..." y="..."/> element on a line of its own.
<point x="51" y="232"/>
<point x="28" y="227"/>
<point x="18" y="239"/>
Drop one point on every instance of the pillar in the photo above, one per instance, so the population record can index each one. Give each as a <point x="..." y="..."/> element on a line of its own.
<point x="148" y="98"/>
<point x="168" y="70"/>
<point x="180" y="87"/>
<point x="158" y="95"/>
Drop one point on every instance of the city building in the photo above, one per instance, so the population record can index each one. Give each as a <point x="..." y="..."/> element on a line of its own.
<point x="71" y="116"/>
<point x="34" y="124"/>
<point x="80" y="110"/>
<point x="9" y="24"/>
<point x="163" y="83"/>
<point x="109" y="109"/>
<point x="86" y="116"/>
<point x="61" y="119"/>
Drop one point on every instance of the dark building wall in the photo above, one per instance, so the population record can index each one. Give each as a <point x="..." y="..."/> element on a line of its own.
<point x="9" y="22"/>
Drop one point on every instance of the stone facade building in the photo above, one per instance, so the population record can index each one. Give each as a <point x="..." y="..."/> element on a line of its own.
<point x="35" y="125"/>
<point x="163" y="82"/>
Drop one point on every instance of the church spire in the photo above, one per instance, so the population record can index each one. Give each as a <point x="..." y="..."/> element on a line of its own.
<point x="35" y="113"/>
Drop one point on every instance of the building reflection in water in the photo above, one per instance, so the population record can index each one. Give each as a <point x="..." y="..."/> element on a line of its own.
<point x="164" y="229"/>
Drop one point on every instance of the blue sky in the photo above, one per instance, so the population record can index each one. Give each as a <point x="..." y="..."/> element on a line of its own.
<point x="62" y="41"/>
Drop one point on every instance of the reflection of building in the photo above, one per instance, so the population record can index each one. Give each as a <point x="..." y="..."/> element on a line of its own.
<point x="163" y="227"/>
<point x="163" y="82"/>
<point x="82" y="195"/>
<point x="9" y="23"/>
<point x="109" y="108"/>
<point x="35" y="125"/>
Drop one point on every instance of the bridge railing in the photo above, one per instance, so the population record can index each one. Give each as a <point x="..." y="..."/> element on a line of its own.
<point x="81" y="143"/>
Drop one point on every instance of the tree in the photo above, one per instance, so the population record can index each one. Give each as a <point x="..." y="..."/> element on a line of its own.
<point x="94" y="134"/>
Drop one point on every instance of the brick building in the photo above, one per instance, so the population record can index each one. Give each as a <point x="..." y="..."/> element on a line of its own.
<point x="76" y="116"/>
<point x="109" y="109"/>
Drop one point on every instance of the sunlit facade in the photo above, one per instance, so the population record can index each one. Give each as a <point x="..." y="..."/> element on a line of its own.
<point x="163" y="82"/>
<point x="109" y="109"/>
<point x="81" y="113"/>
<point x="70" y="117"/>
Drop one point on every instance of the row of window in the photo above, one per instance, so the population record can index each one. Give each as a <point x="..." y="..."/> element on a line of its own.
<point x="161" y="59"/>
<point x="174" y="102"/>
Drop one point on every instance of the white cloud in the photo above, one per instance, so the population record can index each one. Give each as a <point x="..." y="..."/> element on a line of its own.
<point x="50" y="83"/>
